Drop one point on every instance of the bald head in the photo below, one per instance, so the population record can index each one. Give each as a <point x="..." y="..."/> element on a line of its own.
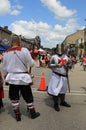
<point x="15" y="40"/>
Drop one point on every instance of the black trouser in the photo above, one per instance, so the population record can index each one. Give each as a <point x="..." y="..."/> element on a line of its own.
<point x="1" y="103"/>
<point x="62" y="98"/>
<point x="59" y="99"/>
<point x="16" y="90"/>
<point x="56" y="100"/>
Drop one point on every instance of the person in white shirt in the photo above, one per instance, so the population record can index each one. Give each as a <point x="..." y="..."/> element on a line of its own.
<point x="15" y="70"/>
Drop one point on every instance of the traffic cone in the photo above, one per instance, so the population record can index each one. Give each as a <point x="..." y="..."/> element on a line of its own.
<point x="42" y="86"/>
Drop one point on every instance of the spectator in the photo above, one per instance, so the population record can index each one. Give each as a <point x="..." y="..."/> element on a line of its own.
<point x="84" y="62"/>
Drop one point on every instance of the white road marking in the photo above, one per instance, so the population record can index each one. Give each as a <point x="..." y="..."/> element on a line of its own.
<point x="72" y="92"/>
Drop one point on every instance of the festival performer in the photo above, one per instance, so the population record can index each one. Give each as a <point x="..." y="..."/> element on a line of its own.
<point x="15" y="62"/>
<point x="57" y="86"/>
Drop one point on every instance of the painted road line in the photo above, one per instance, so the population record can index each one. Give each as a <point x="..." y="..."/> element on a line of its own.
<point x="76" y="93"/>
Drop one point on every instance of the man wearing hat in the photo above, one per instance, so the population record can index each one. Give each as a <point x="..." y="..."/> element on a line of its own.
<point x="15" y="68"/>
<point x="57" y="86"/>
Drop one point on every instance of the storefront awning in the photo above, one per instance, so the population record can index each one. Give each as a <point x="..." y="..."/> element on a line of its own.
<point x="3" y="48"/>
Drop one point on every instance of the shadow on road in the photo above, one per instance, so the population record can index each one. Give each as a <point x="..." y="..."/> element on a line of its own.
<point x="49" y="101"/>
<point x="84" y="88"/>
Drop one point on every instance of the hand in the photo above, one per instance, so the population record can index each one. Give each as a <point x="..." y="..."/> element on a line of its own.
<point x="59" y="65"/>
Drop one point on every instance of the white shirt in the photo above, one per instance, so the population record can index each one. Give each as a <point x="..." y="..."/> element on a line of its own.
<point x="15" y="62"/>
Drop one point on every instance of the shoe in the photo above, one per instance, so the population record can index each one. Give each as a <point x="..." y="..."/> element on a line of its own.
<point x="65" y="104"/>
<point x="57" y="108"/>
<point x="35" y="115"/>
<point x="17" y="115"/>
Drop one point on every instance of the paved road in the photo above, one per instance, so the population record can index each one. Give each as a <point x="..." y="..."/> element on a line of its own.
<point x="73" y="118"/>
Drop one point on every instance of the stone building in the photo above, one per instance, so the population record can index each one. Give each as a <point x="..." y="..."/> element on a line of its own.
<point x="5" y="39"/>
<point x="76" y="42"/>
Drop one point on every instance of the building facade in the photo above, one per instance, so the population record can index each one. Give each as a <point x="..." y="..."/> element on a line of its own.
<point x="76" y="42"/>
<point x="5" y="39"/>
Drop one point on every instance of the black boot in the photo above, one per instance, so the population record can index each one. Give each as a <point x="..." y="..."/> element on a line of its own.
<point x="56" y="107"/>
<point x="63" y="102"/>
<point x="18" y="114"/>
<point x="33" y="113"/>
<point x="56" y="103"/>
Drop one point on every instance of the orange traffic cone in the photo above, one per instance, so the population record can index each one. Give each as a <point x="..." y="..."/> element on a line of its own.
<point x="42" y="86"/>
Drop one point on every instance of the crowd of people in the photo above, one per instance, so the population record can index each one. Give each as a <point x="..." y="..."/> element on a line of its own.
<point x="41" y="58"/>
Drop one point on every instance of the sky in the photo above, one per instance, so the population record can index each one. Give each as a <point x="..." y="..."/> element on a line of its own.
<point x="51" y="20"/>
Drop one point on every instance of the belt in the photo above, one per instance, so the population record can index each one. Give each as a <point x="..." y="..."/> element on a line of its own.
<point x="60" y="74"/>
<point x="19" y="72"/>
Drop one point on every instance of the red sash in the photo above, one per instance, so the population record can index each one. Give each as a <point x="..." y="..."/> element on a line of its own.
<point x="14" y="49"/>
